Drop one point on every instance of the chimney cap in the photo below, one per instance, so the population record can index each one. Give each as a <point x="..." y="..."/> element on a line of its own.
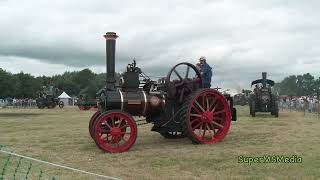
<point x="110" y="36"/>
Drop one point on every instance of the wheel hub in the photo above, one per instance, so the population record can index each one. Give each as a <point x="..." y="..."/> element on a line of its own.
<point x="115" y="132"/>
<point x="207" y="116"/>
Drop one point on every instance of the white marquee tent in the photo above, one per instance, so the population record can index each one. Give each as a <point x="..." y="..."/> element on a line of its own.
<point x="65" y="98"/>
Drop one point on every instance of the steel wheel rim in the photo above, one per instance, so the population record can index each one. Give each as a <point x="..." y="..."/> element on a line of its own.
<point x="115" y="132"/>
<point x="92" y="121"/>
<point x="211" y="122"/>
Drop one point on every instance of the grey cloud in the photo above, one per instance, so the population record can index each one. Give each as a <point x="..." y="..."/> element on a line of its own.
<point x="239" y="38"/>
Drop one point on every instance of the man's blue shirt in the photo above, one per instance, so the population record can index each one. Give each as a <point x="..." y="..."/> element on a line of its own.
<point x="207" y="73"/>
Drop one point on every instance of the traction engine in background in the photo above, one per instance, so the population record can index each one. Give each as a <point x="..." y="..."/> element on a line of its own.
<point x="263" y="99"/>
<point x="48" y="97"/>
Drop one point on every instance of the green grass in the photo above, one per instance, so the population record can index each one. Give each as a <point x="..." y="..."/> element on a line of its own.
<point x="61" y="136"/>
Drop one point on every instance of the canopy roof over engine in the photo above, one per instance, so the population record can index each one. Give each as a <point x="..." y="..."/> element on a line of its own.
<point x="268" y="81"/>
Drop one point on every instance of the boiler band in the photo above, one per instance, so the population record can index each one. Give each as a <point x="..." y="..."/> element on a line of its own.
<point x="137" y="103"/>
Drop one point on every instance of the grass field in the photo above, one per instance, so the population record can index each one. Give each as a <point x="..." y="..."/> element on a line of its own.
<point x="61" y="136"/>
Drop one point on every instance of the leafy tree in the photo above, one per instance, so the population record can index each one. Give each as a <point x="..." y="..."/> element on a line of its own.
<point x="300" y="85"/>
<point x="5" y="83"/>
<point x="24" y="85"/>
<point x="288" y="86"/>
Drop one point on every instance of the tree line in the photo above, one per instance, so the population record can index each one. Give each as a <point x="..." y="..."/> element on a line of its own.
<point x="23" y="85"/>
<point x="298" y="85"/>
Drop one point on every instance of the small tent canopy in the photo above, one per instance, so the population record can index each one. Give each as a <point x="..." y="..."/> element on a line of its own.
<point x="64" y="95"/>
<point x="65" y="98"/>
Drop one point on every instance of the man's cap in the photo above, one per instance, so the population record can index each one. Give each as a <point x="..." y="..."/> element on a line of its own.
<point x="202" y="58"/>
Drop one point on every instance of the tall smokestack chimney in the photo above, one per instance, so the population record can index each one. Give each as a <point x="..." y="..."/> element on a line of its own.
<point x="110" y="59"/>
<point x="264" y="79"/>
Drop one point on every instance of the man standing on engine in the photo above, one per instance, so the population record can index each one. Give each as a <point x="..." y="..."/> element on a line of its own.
<point x="206" y="72"/>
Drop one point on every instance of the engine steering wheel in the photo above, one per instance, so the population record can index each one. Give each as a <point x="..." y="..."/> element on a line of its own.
<point x="180" y="81"/>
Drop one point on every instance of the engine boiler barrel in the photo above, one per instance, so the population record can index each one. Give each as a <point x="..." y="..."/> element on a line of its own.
<point x="136" y="103"/>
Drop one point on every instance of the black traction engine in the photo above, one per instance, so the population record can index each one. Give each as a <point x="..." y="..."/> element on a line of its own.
<point x="177" y="105"/>
<point x="263" y="99"/>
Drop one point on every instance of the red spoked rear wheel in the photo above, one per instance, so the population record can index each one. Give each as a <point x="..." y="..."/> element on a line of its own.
<point x="207" y="117"/>
<point x="115" y="131"/>
<point x="91" y="122"/>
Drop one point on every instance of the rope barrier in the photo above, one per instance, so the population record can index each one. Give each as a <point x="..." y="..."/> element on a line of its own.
<point x="29" y="170"/>
<point x="5" y="165"/>
<point x="17" y="168"/>
<point x="52" y="164"/>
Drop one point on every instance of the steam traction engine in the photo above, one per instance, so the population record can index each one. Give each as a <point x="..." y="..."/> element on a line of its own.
<point x="48" y="97"/>
<point x="86" y="103"/>
<point x="177" y="105"/>
<point x="262" y="99"/>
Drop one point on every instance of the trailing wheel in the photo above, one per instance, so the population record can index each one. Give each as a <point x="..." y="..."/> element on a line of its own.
<point x="115" y="131"/>
<point x="206" y="116"/>
<point x="253" y="108"/>
<point x="91" y="122"/>
<point x="276" y="109"/>
<point x="61" y="104"/>
<point x="51" y="105"/>
<point x="40" y="106"/>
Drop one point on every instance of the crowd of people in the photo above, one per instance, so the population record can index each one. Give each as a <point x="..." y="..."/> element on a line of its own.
<point x="304" y="103"/>
<point x="18" y="103"/>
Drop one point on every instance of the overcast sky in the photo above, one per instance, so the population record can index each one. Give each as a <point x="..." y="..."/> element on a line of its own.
<point x="239" y="38"/>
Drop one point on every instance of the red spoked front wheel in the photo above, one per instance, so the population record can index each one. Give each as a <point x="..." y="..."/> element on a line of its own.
<point x="206" y="117"/>
<point x="115" y="131"/>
